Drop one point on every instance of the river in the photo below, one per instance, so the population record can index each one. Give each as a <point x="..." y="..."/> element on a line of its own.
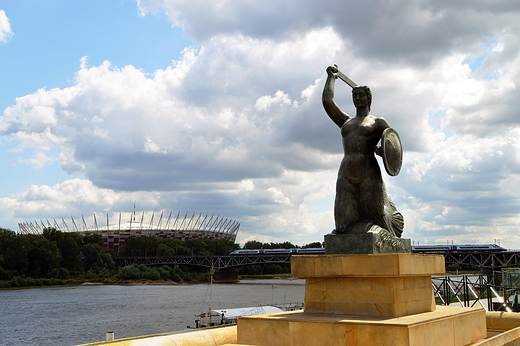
<point x="82" y="314"/>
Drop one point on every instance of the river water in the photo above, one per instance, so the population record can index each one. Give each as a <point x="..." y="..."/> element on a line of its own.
<point x="83" y="314"/>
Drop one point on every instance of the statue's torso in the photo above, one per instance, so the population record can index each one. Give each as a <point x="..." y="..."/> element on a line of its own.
<point x="360" y="137"/>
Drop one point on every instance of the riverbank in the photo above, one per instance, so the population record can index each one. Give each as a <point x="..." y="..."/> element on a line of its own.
<point x="266" y="276"/>
<point x="53" y="283"/>
<point x="74" y="282"/>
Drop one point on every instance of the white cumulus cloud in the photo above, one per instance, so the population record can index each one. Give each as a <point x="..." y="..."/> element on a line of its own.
<point x="5" y="28"/>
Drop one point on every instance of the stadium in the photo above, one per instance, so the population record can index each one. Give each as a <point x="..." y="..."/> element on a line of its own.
<point x="114" y="234"/>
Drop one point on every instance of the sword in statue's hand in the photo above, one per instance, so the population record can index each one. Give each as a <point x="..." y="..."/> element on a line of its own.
<point x="344" y="78"/>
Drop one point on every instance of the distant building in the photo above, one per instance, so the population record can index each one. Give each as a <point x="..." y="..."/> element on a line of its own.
<point x="115" y="234"/>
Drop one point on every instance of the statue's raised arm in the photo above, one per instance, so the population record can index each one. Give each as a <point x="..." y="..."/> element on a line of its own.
<point x="335" y="113"/>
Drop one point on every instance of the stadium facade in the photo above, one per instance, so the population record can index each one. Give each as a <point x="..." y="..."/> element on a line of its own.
<point x="115" y="234"/>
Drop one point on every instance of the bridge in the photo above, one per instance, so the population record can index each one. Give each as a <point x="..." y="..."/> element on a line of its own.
<point x="486" y="261"/>
<point x="216" y="262"/>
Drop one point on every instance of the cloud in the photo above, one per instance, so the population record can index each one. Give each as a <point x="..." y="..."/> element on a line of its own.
<point x="74" y="197"/>
<point x="194" y="144"/>
<point x="403" y="31"/>
<point x="5" y="28"/>
<point x="236" y="126"/>
<point x="115" y="121"/>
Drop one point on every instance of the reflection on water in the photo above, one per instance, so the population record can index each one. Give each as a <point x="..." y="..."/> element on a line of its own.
<point x="82" y="314"/>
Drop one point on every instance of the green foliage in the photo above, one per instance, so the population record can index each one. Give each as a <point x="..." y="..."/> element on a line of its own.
<point x="70" y="246"/>
<point x="152" y="247"/>
<point x="93" y="239"/>
<point x="225" y="247"/>
<point x="15" y="282"/>
<point x="22" y="281"/>
<point x="253" y="244"/>
<point x="55" y="256"/>
<point x="92" y="256"/>
<point x="284" y="245"/>
<point x="140" y="272"/>
<point x="165" y="250"/>
<point x="129" y="273"/>
<point x="152" y="274"/>
<point x="43" y="256"/>
<point x="60" y="273"/>
<point x="316" y="244"/>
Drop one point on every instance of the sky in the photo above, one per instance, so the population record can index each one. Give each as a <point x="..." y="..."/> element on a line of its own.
<point x="214" y="107"/>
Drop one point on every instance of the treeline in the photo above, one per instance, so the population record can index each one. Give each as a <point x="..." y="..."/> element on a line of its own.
<point x="56" y="258"/>
<point x="52" y="255"/>
<point x="253" y="244"/>
<point x="152" y="247"/>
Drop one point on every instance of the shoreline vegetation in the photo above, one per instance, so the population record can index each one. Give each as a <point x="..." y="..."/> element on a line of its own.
<point x="77" y="282"/>
<point x="59" y="259"/>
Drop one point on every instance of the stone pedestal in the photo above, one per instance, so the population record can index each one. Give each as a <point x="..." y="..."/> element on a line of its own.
<point x="369" y="285"/>
<point x="384" y="299"/>
<point x="366" y="243"/>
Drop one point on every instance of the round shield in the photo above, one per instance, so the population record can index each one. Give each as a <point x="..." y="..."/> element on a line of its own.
<point x="391" y="151"/>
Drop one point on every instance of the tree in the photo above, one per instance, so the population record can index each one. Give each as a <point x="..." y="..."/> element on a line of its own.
<point x="202" y="247"/>
<point x="92" y="256"/>
<point x="43" y="256"/>
<point x="287" y="245"/>
<point x="253" y="244"/>
<point x="316" y="244"/>
<point x="225" y="247"/>
<point x="69" y="245"/>
<point x="13" y="252"/>
<point x="165" y="250"/>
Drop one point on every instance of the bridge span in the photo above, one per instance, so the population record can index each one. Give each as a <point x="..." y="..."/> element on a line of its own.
<point x="216" y="262"/>
<point x="486" y="261"/>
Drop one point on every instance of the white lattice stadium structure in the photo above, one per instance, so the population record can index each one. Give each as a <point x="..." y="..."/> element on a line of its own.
<point x="114" y="234"/>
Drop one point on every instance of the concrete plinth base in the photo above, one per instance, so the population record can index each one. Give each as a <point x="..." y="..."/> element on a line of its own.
<point x="445" y="326"/>
<point x="386" y="285"/>
<point x="366" y="243"/>
<point x="372" y="299"/>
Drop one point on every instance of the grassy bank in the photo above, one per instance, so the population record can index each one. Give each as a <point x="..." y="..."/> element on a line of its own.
<point x="133" y="274"/>
<point x="5" y="285"/>
<point x="267" y="276"/>
<point x="53" y="282"/>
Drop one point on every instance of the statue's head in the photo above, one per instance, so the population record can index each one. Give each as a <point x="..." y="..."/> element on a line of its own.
<point x="366" y="90"/>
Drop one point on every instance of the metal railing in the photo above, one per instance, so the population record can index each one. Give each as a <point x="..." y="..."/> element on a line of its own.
<point x="486" y="291"/>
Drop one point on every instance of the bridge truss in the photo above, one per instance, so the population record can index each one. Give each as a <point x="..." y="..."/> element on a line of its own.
<point x="489" y="260"/>
<point x="216" y="262"/>
<point x="483" y="260"/>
